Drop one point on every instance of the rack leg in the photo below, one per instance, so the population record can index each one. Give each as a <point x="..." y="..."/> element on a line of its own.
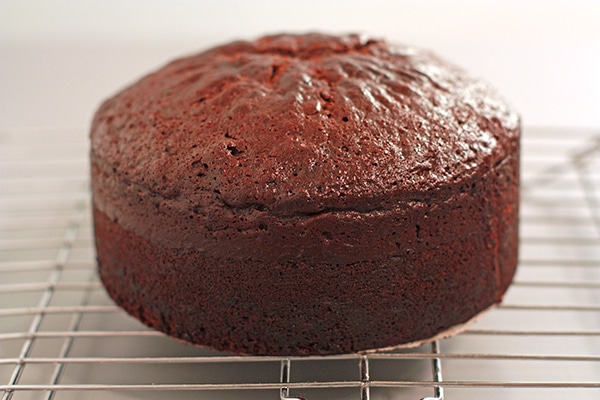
<point x="438" y="391"/>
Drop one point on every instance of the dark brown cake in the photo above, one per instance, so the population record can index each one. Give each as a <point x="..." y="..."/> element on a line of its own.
<point x="306" y="194"/>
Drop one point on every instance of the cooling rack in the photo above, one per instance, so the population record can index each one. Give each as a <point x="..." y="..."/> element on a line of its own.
<point x="62" y="338"/>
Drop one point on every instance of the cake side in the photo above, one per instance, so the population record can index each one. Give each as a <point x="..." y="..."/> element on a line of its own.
<point x="297" y="307"/>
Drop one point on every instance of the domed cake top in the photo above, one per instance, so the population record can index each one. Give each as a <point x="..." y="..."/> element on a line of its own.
<point x="303" y="124"/>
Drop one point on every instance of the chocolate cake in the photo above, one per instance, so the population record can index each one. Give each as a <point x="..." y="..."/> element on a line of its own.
<point x="306" y="194"/>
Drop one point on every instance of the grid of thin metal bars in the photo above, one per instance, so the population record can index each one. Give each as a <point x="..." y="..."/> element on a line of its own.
<point x="60" y="336"/>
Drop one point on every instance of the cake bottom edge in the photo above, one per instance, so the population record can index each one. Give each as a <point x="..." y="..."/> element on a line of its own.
<point x="448" y="333"/>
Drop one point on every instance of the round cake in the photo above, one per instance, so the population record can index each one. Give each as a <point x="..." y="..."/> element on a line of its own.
<point x="306" y="194"/>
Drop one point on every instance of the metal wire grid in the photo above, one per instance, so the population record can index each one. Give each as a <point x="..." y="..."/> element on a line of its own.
<point x="62" y="338"/>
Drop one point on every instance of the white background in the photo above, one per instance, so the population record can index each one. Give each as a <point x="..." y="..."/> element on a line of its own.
<point x="59" y="59"/>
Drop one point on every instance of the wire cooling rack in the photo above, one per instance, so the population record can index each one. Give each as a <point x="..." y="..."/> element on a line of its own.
<point x="62" y="338"/>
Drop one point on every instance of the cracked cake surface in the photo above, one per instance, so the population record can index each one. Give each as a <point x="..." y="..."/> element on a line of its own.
<point x="306" y="157"/>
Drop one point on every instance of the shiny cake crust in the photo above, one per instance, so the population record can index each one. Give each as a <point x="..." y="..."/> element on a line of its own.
<point x="306" y="194"/>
